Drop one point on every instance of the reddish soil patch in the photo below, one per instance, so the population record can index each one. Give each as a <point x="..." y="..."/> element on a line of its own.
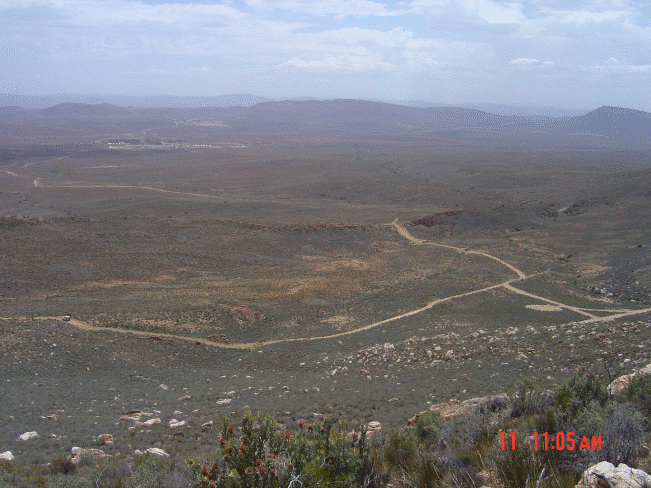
<point x="441" y="218"/>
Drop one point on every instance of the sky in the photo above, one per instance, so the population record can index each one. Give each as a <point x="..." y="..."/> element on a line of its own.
<point x="578" y="53"/>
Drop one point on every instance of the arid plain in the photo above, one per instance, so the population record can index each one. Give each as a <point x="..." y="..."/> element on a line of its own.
<point x="360" y="259"/>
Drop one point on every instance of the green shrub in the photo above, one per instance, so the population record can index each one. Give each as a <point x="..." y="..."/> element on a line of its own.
<point x="530" y="399"/>
<point x="428" y="425"/>
<point x="577" y="393"/>
<point x="258" y="456"/>
<point x="68" y="481"/>
<point x="8" y="479"/>
<point x="639" y="391"/>
<point x="157" y="472"/>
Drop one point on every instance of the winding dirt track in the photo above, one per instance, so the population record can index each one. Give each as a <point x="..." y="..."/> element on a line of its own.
<point x="616" y="313"/>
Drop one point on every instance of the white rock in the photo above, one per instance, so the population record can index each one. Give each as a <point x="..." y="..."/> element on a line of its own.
<point x="621" y="477"/>
<point x="152" y="421"/>
<point x="175" y="423"/>
<point x="7" y="456"/>
<point x="157" y="452"/>
<point x="28" y="435"/>
<point x="224" y="401"/>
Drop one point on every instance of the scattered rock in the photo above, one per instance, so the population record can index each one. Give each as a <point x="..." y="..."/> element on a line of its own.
<point x="105" y="439"/>
<point x="224" y="401"/>
<point x="7" y="456"/>
<point x="129" y="417"/>
<point x="28" y="436"/>
<point x="157" y="452"/>
<point x="620" y="477"/>
<point x="162" y="386"/>
<point x="176" y="423"/>
<point x="184" y="398"/>
<point x="77" y="452"/>
<point x="50" y="417"/>
<point x="207" y="425"/>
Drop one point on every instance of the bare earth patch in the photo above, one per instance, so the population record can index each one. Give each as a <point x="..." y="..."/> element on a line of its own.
<point x="545" y="308"/>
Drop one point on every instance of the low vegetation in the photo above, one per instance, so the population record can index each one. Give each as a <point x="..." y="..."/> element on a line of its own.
<point x="504" y="441"/>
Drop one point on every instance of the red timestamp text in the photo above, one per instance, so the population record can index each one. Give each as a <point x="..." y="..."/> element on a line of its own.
<point x="560" y="441"/>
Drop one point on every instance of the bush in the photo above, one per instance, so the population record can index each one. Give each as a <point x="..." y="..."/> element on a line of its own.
<point x="623" y="435"/>
<point x="639" y="391"/>
<point x="530" y="399"/>
<point x="7" y="478"/>
<point x="257" y="456"/>
<point x="67" y="481"/>
<point x="62" y="466"/>
<point x="577" y="393"/>
<point x="428" y="425"/>
<point x="157" y="472"/>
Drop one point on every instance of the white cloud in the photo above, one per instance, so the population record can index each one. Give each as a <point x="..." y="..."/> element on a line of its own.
<point x="529" y="63"/>
<point x="343" y="62"/>
<point x="338" y="8"/>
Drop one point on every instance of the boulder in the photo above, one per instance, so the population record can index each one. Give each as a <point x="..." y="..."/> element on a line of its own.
<point x="105" y="439"/>
<point x="373" y="429"/>
<point x="455" y="408"/>
<point x="7" y="456"/>
<point x="176" y="423"/>
<point x="599" y="475"/>
<point x="76" y="454"/>
<point x="28" y="436"/>
<point x="620" y="384"/>
<point x="185" y="398"/>
<point x="157" y="452"/>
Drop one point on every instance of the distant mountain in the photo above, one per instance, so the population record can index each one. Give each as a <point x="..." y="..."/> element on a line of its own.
<point x="611" y="120"/>
<point x="35" y="102"/>
<point x="343" y="120"/>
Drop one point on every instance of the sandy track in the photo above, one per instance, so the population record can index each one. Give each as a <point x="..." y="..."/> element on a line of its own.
<point x="404" y="233"/>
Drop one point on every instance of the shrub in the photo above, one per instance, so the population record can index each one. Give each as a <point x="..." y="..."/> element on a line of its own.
<point x="7" y="478"/>
<point x="157" y="472"/>
<point x="639" y="391"/>
<point x="530" y="399"/>
<point x="62" y="466"/>
<point x="577" y="393"/>
<point x="67" y="481"/>
<point x="623" y="435"/>
<point x="428" y="425"/>
<point x="257" y="456"/>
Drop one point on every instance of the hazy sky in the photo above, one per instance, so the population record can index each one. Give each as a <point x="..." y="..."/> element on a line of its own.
<point x="579" y="53"/>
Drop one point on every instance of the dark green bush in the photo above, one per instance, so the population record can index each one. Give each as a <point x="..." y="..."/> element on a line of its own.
<point x="428" y="425"/>
<point x="639" y="391"/>
<point x="576" y="394"/>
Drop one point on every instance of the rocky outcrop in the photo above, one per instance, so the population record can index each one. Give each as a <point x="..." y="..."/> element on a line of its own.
<point x="606" y="475"/>
<point x="455" y="408"/>
<point x="76" y="454"/>
<point x="620" y="384"/>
